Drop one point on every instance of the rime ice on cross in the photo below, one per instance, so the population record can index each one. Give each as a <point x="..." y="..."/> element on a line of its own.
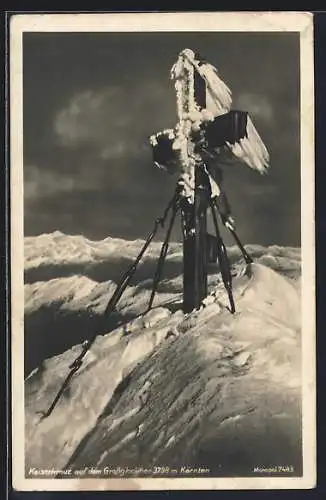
<point x="207" y="129"/>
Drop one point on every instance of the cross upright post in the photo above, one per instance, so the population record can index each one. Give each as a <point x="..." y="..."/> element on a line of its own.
<point x="194" y="229"/>
<point x="191" y="98"/>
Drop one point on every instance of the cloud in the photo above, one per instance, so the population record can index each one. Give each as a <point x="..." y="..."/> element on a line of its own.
<point x="102" y="136"/>
<point x="257" y="105"/>
<point x="115" y="121"/>
<point x="41" y="183"/>
<point x="100" y="152"/>
<point x="101" y="145"/>
<point x="85" y="118"/>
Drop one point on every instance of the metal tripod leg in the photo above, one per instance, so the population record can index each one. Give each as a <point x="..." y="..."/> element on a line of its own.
<point x="246" y="256"/>
<point x="120" y="288"/>
<point x="162" y="256"/>
<point x="223" y="260"/>
<point x="244" y="252"/>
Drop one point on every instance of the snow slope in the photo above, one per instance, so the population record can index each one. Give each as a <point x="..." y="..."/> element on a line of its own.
<point x="206" y="388"/>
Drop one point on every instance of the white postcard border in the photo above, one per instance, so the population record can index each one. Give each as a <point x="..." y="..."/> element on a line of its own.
<point x="209" y="21"/>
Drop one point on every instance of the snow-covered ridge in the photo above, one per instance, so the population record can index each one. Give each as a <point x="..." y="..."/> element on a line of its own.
<point x="198" y="388"/>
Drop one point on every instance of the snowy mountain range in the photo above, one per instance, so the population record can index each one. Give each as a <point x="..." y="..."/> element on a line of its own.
<point x="206" y="389"/>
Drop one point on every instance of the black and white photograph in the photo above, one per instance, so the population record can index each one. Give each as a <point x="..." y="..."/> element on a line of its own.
<point x="162" y="219"/>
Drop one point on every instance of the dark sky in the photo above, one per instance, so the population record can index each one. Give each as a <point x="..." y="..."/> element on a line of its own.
<point x="92" y="99"/>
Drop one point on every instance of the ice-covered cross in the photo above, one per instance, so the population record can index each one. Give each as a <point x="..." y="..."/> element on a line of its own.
<point x="206" y="124"/>
<point x="207" y="131"/>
